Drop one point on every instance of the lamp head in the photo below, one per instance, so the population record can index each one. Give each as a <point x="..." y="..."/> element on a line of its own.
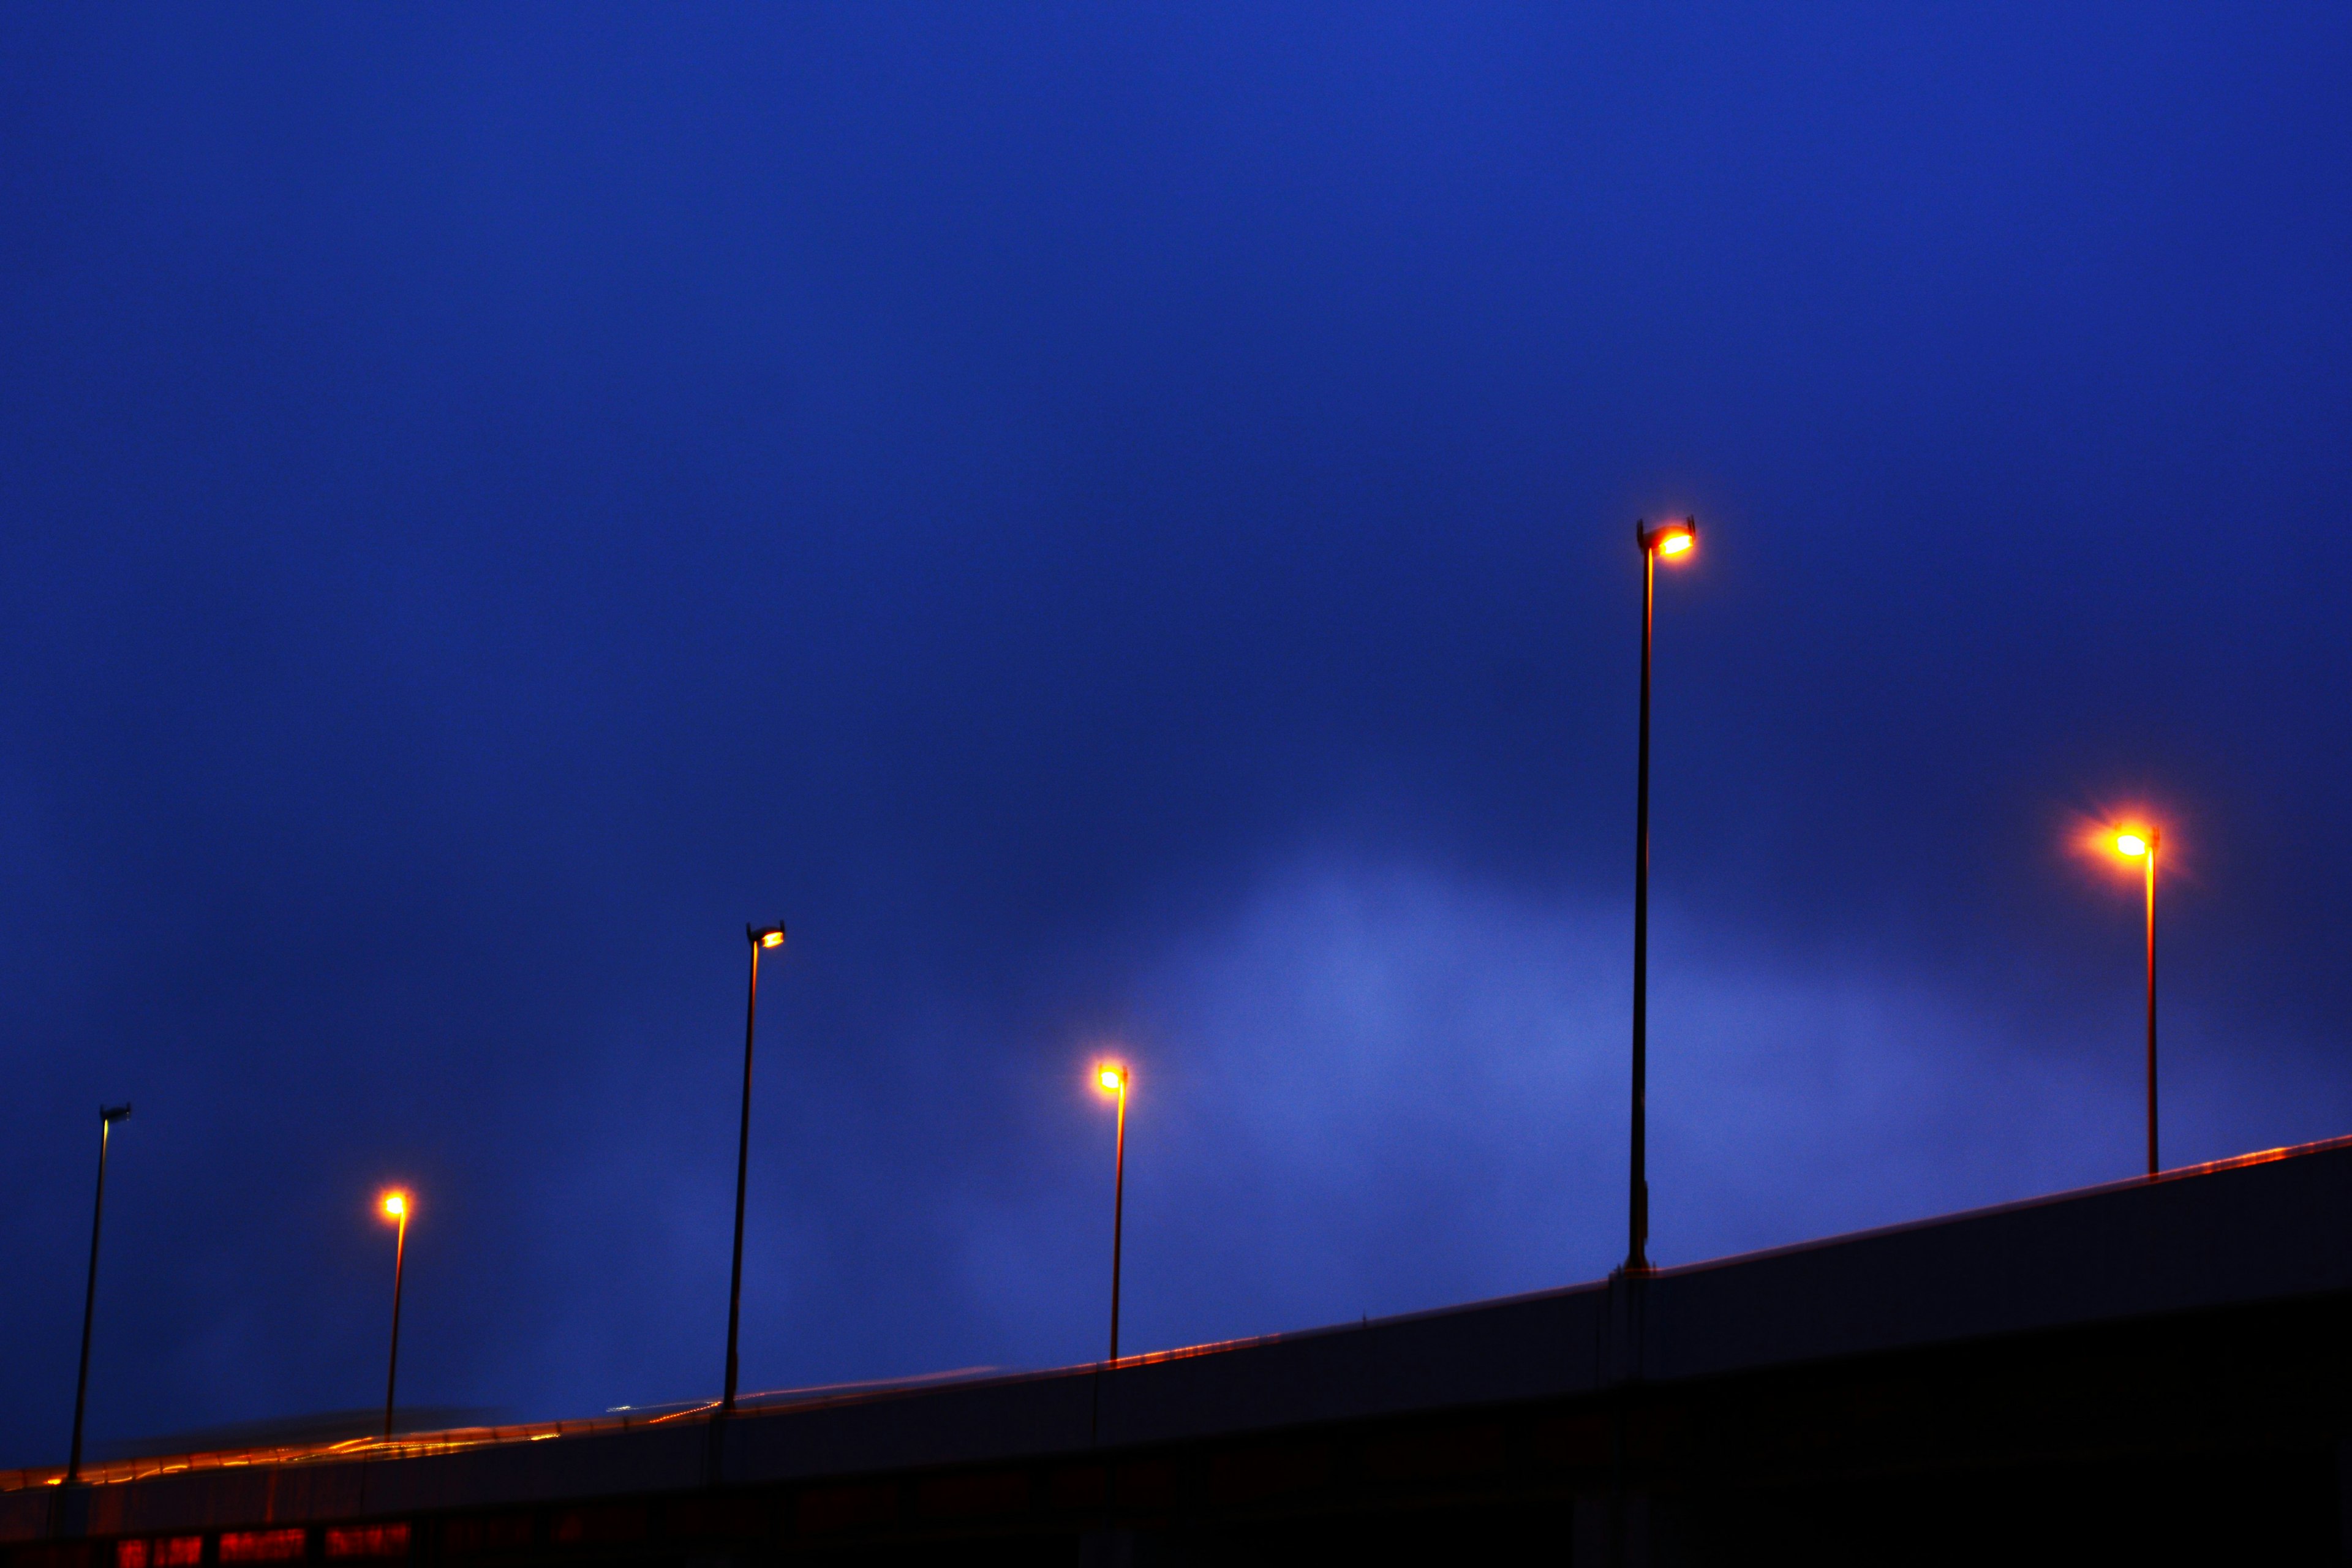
<point x="1673" y="536"/>
<point x="2131" y="842"/>
<point x="1112" y="1077"/>
<point x="111" y="1114"/>
<point x="395" y="1204"/>
<point x="767" y="935"/>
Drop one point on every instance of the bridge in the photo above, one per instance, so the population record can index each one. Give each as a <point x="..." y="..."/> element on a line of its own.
<point x="2153" y="1371"/>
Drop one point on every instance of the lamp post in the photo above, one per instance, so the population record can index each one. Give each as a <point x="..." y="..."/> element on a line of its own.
<point x="1112" y="1077"/>
<point x="1671" y="537"/>
<point x="760" y="938"/>
<point x="396" y="1209"/>
<point x="2140" y="844"/>
<point x="108" y="1115"/>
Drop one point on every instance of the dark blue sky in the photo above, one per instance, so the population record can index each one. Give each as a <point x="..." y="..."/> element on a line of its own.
<point x="1116" y="524"/>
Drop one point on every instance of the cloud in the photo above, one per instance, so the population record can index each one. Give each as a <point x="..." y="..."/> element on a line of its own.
<point x="1378" y="1085"/>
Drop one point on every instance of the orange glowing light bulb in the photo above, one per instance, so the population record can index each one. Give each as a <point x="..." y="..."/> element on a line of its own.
<point x="395" y="1204"/>
<point x="771" y="939"/>
<point x="1675" y="542"/>
<point x="2131" y="845"/>
<point x="1113" y="1078"/>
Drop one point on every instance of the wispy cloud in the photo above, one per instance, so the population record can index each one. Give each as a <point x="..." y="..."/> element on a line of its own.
<point x="1373" y="1088"/>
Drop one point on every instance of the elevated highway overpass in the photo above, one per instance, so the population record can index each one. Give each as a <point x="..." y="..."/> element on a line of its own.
<point x="2155" y="1371"/>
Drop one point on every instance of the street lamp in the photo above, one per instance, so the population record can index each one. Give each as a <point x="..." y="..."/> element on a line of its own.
<point x="396" y="1209"/>
<point x="108" y="1115"/>
<point x="2133" y="842"/>
<point x="1112" y="1078"/>
<point x="1672" y="538"/>
<point x="760" y="938"/>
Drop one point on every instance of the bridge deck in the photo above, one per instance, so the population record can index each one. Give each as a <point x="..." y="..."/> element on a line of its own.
<point x="1681" y="1381"/>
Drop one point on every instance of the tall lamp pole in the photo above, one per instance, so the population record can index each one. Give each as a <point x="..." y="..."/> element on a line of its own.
<point x="760" y="937"/>
<point x="396" y="1209"/>
<point x="1670" y="538"/>
<point x="1113" y="1078"/>
<point x="2140" y="844"/>
<point x="108" y="1115"/>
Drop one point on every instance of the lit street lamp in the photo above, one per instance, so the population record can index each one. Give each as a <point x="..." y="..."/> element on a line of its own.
<point x="1112" y="1077"/>
<point x="395" y="1208"/>
<point x="1672" y="537"/>
<point x="2140" y="844"/>
<point x="760" y="937"/>
<point x="108" y="1115"/>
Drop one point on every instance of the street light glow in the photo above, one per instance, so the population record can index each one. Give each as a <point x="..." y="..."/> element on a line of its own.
<point x="771" y="939"/>
<point x="395" y="1204"/>
<point x="1673" y="536"/>
<point x="2131" y="845"/>
<point x="1113" y="1078"/>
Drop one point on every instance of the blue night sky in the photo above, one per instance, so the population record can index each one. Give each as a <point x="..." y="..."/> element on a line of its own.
<point x="1116" y="523"/>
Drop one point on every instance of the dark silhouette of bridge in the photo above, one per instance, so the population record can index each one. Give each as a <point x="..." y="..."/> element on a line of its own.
<point x="2150" y="1372"/>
